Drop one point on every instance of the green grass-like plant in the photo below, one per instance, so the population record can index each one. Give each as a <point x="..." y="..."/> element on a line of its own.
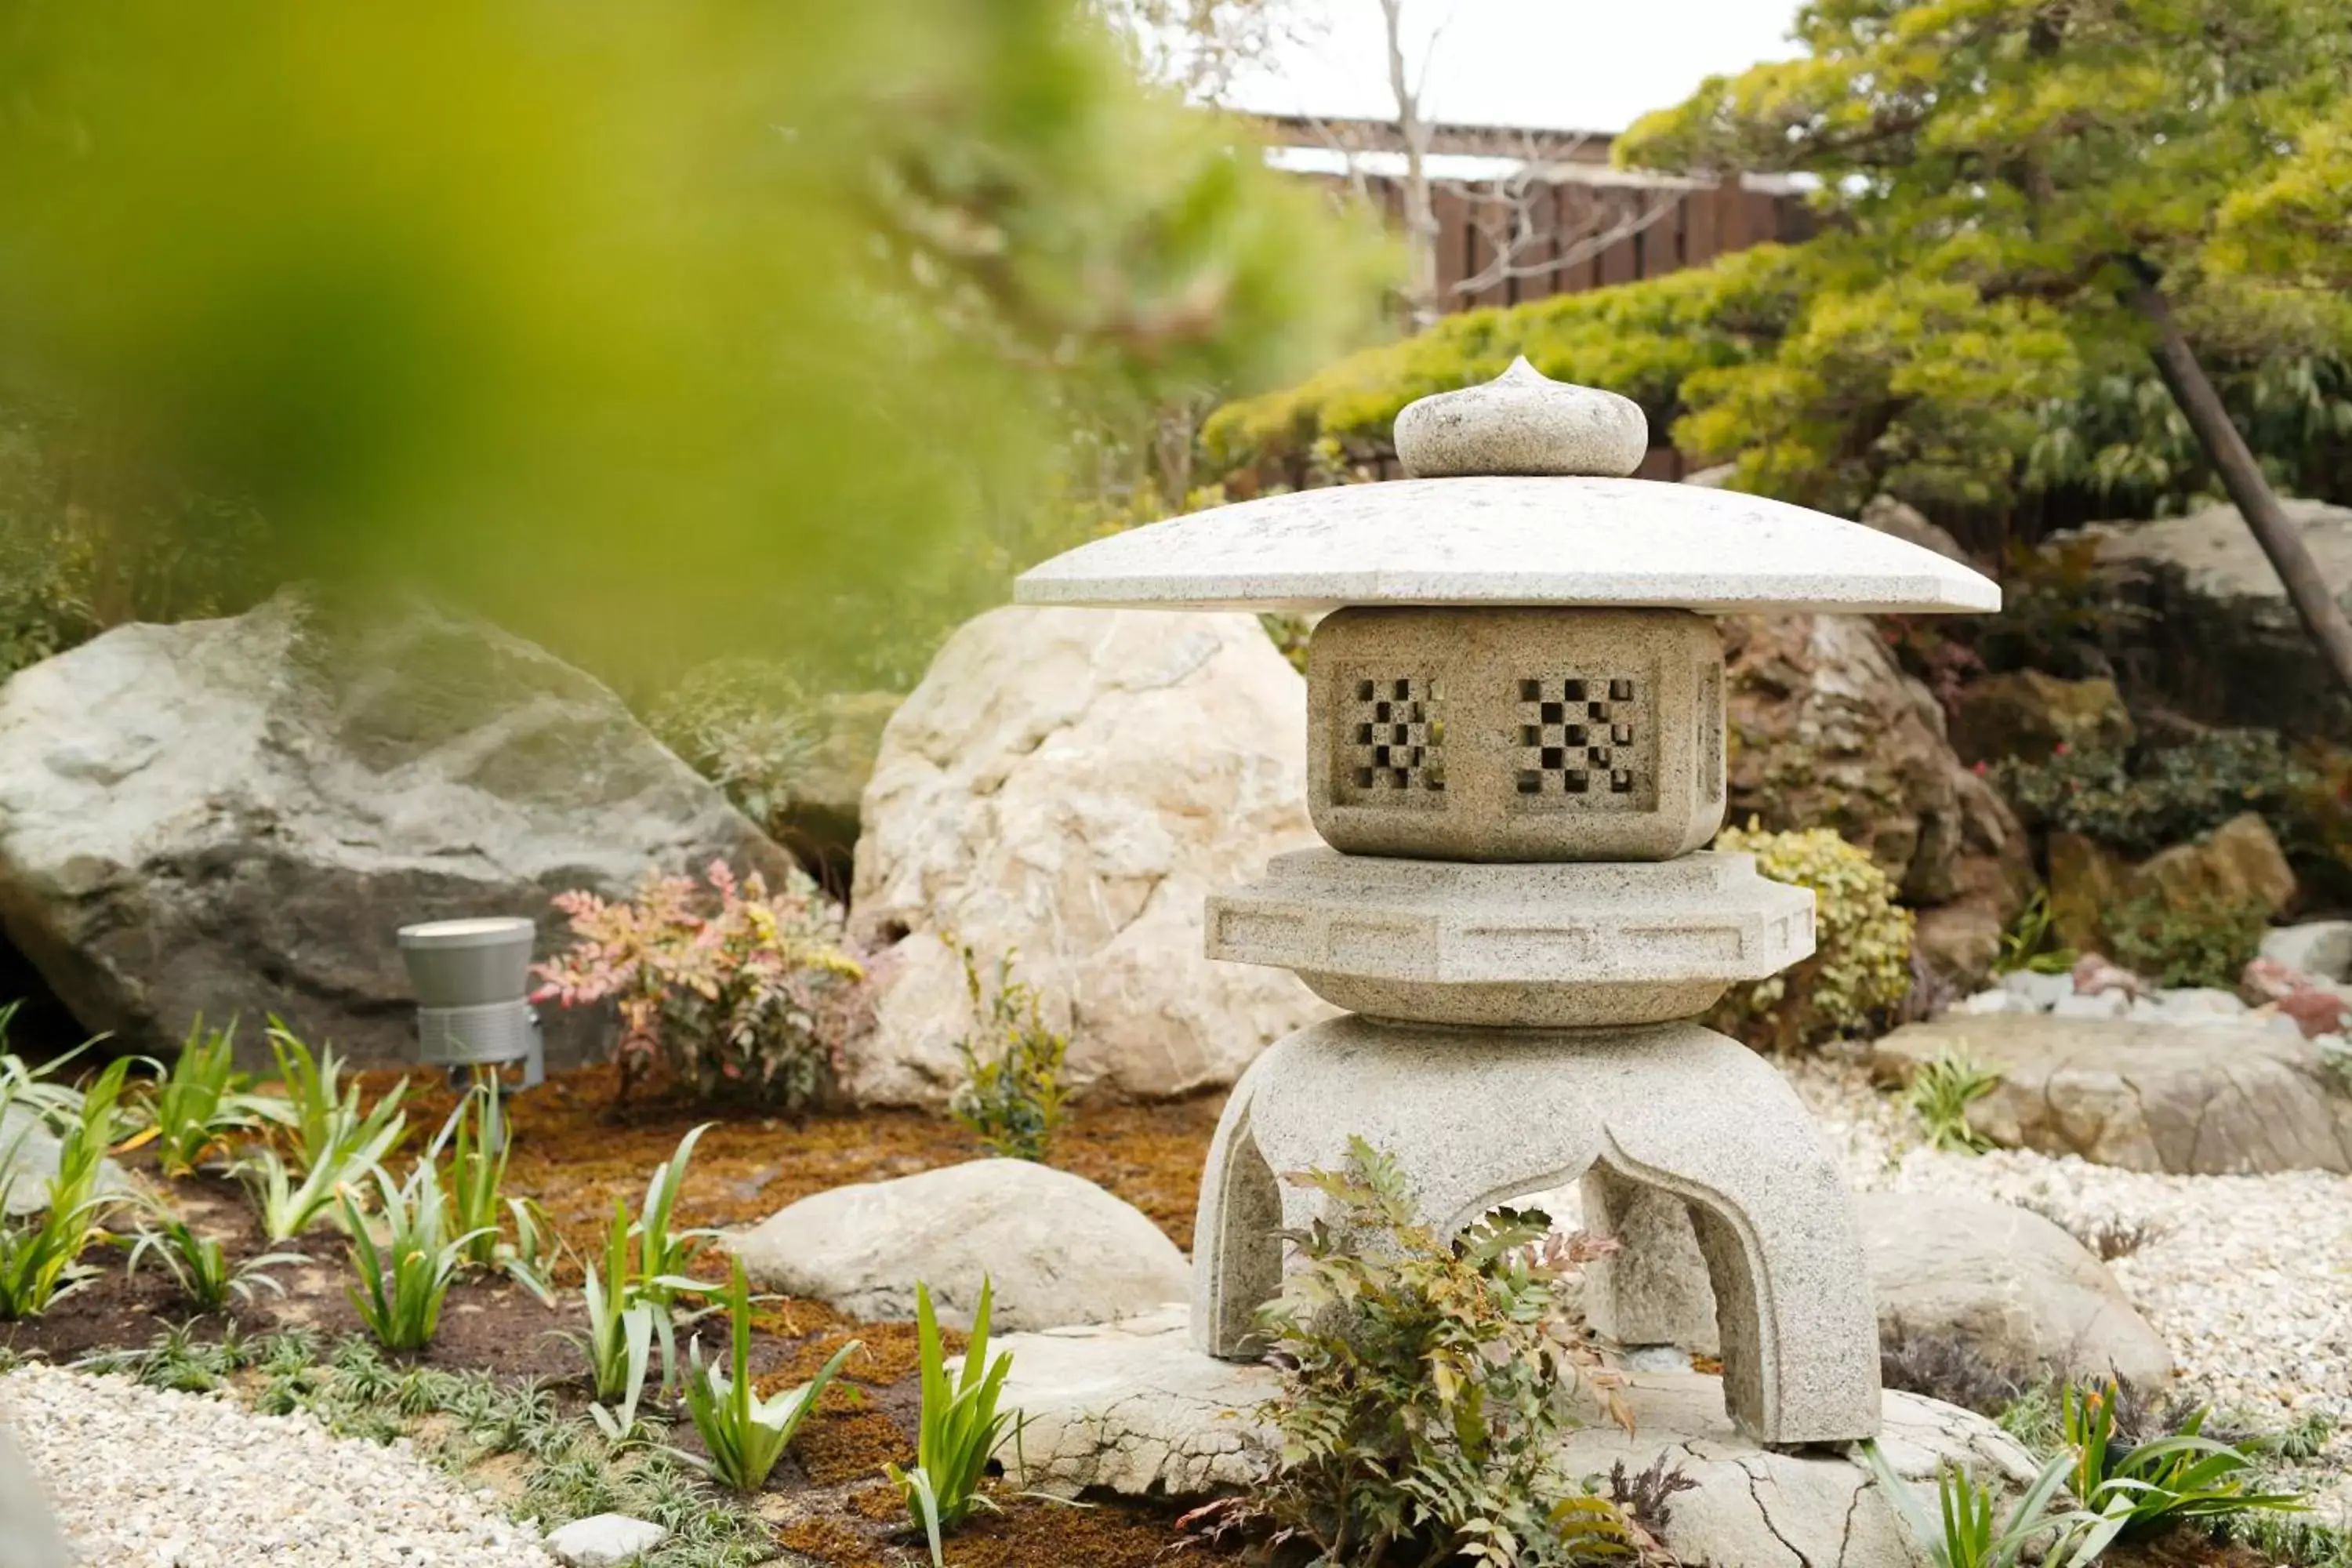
<point x="403" y="1283"/>
<point x="665" y="1253"/>
<point x="286" y="1205"/>
<point x="2153" y="1484"/>
<point x="618" y="1342"/>
<point x="475" y="1137"/>
<point x="198" y="1100"/>
<point x="1965" y="1533"/>
<point x="746" y="1435"/>
<point x="200" y="1267"/>
<point x="323" y="1114"/>
<point x="1013" y="1094"/>
<point x="961" y="1428"/>
<point x="2026" y="944"/>
<point x="40" y="1090"/>
<point x="1940" y="1095"/>
<point x="40" y="1260"/>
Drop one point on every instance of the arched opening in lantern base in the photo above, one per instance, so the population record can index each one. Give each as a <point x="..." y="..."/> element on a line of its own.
<point x="1668" y="1125"/>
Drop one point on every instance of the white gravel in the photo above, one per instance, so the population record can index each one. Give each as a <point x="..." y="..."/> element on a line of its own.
<point x="2248" y="1279"/>
<point x="144" y="1479"/>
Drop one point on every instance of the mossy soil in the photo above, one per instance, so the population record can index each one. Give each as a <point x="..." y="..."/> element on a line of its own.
<point x="577" y="1148"/>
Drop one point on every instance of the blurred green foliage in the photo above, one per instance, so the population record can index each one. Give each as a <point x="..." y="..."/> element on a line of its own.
<point x="653" y="332"/>
<point x="2205" y="943"/>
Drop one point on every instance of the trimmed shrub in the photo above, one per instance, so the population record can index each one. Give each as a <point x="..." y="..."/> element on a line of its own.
<point x="1860" y="965"/>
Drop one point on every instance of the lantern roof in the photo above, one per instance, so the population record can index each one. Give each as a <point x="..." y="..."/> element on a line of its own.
<point x="1519" y="497"/>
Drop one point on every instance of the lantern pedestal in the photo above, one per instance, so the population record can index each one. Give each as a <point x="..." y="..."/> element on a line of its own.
<point x="1476" y="1117"/>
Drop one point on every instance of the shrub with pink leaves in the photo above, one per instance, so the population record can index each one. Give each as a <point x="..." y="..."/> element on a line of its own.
<point x="736" y="992"/>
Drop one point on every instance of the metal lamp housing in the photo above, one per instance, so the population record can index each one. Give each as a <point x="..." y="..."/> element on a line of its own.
<point x="472" y="979"/>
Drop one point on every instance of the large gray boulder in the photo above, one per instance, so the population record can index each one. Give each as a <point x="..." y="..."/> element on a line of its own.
<point x="2006" y="1286"/>
<point x="1055" y="1247"/>
<point x="2193" y="1099"/>
<point x="1068" y="786"/>
<point x="232" y="818"/>
<point x="1826" y="730"/>
<point x="2223" y="645"/>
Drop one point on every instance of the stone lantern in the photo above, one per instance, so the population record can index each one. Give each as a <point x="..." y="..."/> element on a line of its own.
<point x="1515" y="757"/>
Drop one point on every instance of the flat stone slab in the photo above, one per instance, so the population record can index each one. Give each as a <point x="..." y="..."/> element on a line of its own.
<point x="2192" y="1099"/>
<point x="1533" y="946"/>
<point x="1509" y="541"/>
<point x="1135" y="1409"/>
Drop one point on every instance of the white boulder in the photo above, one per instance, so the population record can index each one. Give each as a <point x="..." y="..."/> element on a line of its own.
<point x="2006" y="1286"/>
<point x="1068" y="786"/>
<point x="606" y="1541"/>
<point x="1058" y="1249"/>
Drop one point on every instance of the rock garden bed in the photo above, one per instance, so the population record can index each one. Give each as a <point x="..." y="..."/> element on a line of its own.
<point x="220" y="1480"/>
<point x="2242" y="1277"/>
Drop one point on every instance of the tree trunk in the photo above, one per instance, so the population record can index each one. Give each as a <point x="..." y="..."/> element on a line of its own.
<point x="2242" y="476"/>
<point x="1422" y="230"/>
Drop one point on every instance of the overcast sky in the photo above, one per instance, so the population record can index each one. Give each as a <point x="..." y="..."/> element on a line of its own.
<point x="1568" y="65"/>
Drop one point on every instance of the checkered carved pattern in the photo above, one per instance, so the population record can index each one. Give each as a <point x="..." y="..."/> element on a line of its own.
<point x="1577" y="736"/>
<point x="1396" y="728"/>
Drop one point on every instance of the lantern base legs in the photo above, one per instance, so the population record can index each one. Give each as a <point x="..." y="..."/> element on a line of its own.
<point x="1665" y="1117"/>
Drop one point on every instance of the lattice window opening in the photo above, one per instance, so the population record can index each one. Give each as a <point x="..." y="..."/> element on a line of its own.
<point x="1575" y="736"/>
<point x="1398" y="731"/>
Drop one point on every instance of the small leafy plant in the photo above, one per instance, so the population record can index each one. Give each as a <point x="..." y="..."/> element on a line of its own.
<point x="38" y="1088"/>
<point x="733" y="989"/>
<point x="618" y="1343"/>
<point x="2208" y="943"/>
<point x="1966" y="1535"/>
<point x="2152" y="1485"/>
<point x="1861" y="965"/>
<point x="665" y="1253"/>
<point x="199" y="1099"/>
<point x="746" y="725"/>
<point x="2026" y="944"/>
<point x="1940" y="1095"/>
<point x="200" y="1267"/>
<point x="40" y="1260"/>
<point x="1427" y="1384"/>
<point x="744" y="1434"/>
<point x="403" y="1283"/>
<point x="286" y="1205"/>
<point x="1012" y="1095"/>
<point x="961" y="1427"/>
<point x="324" y="1115"/>
<point x="477" y="1169"/>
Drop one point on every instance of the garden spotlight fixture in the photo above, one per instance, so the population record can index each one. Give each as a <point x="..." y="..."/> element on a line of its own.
<point x="473" y="994"/>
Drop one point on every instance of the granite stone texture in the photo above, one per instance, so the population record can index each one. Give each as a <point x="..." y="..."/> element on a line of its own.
<point x="2192" y="1099"/>
<point x="1541" y="946"/>
<point x="1477" y="1117"/>
<point x="1500" y="541"/>
<point x="1515" y="734"/>
<point x="1135" y="1409"/>
<point x="1522" y="422"/>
